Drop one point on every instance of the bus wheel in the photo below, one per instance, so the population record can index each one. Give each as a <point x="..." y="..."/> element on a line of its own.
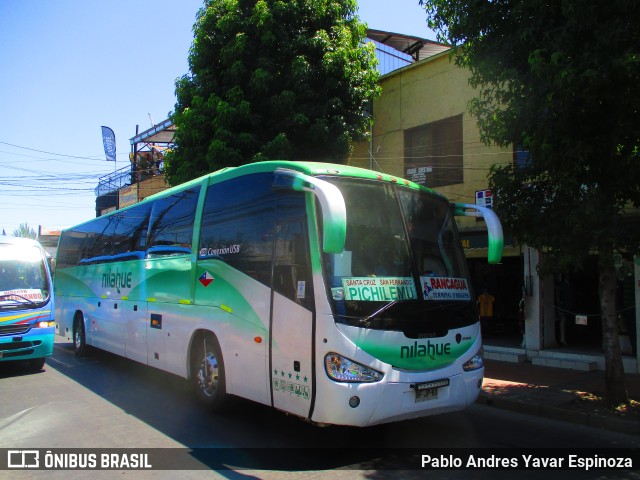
<point x="79" y="338"/>
<point x="208" y="375"/>
<point x="36" y="364"/>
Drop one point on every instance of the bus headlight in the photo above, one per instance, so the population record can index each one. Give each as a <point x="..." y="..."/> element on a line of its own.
<point x="474" y="362"/>
<point x="342" y="369"/>
<point x="45" y="324"/>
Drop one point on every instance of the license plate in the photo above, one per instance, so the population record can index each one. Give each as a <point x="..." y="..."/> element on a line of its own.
<point x="429" y="390"/>
<point x="426" y="394"/>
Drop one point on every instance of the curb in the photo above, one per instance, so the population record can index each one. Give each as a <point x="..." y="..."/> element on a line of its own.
<point x="562" y="414"/>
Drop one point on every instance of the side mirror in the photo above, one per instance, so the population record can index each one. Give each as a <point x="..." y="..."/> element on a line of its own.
<point x="494" y="228"/>
<point x="334" y="210"/>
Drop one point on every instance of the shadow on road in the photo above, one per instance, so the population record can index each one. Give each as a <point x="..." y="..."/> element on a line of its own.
<point x="245" y="434"/>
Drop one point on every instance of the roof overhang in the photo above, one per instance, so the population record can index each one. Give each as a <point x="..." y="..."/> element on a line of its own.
<point x="160" y="133"/>
<point x="418" y="48"/>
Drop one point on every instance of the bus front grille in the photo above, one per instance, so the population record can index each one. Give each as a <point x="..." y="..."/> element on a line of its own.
<point x="14" y="329"/>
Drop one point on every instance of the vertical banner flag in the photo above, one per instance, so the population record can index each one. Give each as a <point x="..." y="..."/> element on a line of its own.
<point x="109" y="141"/>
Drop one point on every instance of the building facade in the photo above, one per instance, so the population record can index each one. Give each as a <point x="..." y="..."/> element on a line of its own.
<point x="422" y="131"/>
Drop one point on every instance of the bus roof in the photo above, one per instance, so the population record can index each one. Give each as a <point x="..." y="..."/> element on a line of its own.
<point x="313" y="169"/>
<point x="308" y="168"/>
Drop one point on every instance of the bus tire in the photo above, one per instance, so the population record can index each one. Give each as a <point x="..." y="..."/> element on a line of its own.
<point x="208" y="376"/>
<point x="80" y="347"/>
<point x="36" y="364"/>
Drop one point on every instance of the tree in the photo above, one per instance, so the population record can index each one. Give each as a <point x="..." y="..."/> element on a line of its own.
<point x="25" y="231"/>
<point x="562" y="81"/>
<point x="286" y="79"/>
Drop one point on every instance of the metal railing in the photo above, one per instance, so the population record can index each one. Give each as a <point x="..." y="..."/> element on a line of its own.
<point x="114" y="181"/>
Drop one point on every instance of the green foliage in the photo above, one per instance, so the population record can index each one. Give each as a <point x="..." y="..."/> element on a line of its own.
<point x="272" y="79"/>
<point x="25" y="231"/>
<point x="562" y="81"/>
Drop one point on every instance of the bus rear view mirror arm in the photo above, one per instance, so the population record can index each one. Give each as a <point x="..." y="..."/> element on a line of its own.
<point x="334" y="211"/>
<point x="494" y="228"/>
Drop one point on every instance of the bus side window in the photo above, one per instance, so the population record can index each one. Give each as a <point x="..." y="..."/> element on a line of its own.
<point x="130" y="231"/>
<point x="292" y="272"/>
<point x="238" y="225"/>
<point x="97" y="239"/>
<point x="172" y="220"/>
<point x="70" y="248"/>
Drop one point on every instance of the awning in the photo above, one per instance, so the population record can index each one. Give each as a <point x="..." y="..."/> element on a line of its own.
<point x="416" y="47"/>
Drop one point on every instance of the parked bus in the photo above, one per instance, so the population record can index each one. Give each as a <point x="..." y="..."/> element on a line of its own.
<point x="27" y="325"/>
<point x="334" y="293"/>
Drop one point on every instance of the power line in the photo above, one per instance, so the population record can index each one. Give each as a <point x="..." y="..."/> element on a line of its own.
<point x="39" y="188"/>
<point x="48" y="153"/>
<point x="67" y="162"/>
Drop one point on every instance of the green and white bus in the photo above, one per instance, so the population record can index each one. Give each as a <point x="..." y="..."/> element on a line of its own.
<point x="27" y="325"/>
<point x="330" y="292"/>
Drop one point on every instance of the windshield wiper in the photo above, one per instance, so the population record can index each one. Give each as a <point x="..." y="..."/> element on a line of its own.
<point x="367" y="320"/>
<point x="14" y="295"/>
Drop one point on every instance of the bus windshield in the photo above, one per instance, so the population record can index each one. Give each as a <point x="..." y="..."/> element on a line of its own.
<point x="403" y="267"/>
<point x="23" y="277"/>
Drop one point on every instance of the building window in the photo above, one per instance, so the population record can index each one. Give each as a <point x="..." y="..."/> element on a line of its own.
<point x="521" y="157"/>
<point x="433" y="153"/>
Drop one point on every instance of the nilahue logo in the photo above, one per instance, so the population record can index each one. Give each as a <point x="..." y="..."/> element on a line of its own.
<point x="116" y="279"/>
<point x="429" y="349"/>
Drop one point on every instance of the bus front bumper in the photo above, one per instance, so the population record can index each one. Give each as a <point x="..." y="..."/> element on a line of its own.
<point x="397" y="401"/>
<point x="36" y="343"/>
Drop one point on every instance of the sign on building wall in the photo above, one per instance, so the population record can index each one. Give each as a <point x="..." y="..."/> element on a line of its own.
<point x="417" y="174"/>
<point x="484" y="198"/>
<point x="128" y="195"/>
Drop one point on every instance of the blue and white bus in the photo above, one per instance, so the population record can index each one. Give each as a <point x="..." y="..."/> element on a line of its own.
<point x="27" y="325"/>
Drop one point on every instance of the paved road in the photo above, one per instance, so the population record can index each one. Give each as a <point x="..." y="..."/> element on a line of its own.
<point x="104" y="402"/>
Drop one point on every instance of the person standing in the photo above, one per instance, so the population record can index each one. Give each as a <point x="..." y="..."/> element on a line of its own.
<point x="485" y="305"/>
<point x="521" y="327"/>
<point x="564" y="311"/>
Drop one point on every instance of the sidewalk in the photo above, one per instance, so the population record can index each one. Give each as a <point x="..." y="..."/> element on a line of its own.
<point x="558" y="393"/>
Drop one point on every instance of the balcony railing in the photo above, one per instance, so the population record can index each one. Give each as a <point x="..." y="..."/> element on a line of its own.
<point x="114" y="181"/>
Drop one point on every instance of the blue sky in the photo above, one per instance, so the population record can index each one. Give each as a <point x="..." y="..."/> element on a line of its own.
<point x="69" y="66"/>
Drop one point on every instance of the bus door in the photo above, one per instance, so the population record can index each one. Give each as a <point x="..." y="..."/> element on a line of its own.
<point x="292" y="315"/>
